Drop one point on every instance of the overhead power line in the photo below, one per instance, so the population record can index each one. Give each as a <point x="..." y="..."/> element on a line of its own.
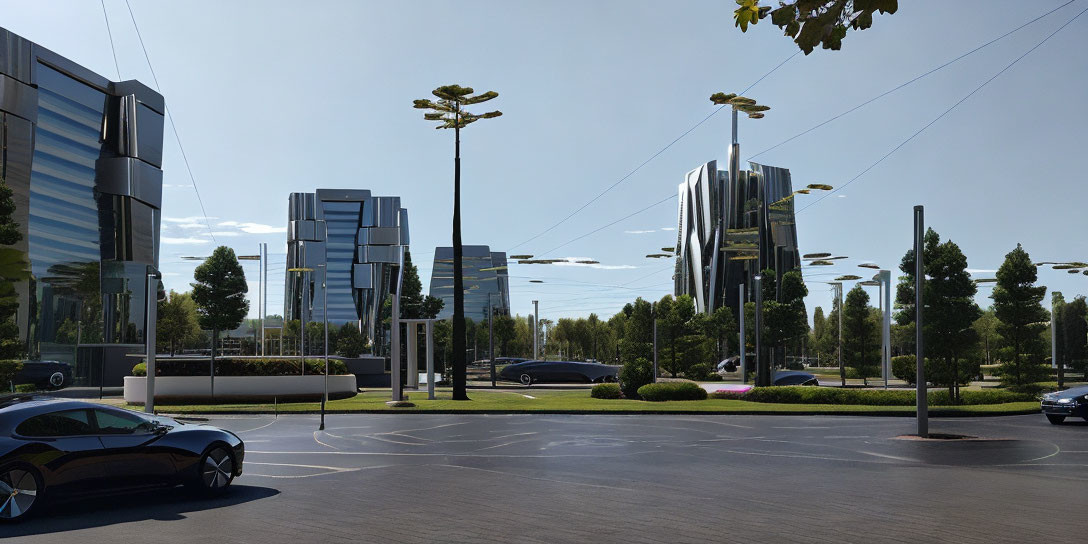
<point x="598" y="229"/>
<point x="647" y="161"/>
<point x="904" y="84"/>
<point x="945" y="112"/>
<point x="169" y="117"/>
<point x="113" y="48"/>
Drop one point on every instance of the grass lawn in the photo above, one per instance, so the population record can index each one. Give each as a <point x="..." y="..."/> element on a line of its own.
<point x="577" y="401"/>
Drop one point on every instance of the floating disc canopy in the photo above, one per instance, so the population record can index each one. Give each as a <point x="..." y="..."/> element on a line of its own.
<point x="985" y="280"/>
<point x="536" y="281"/>
<point x="744" y="257"/>
<point x="821" y="263"/>
<point x="521" y="257"/>
<point x="820" y="186"/>
<point x="588" y="261"/>
<point x="816" y="255"/>
<point x="658" y="255"/>
<point x="492" y="268"/>
<point x="1074" y="271"/>
<point x="869" y="283"/>
<point x="668" y="249"/>
<point x="848" y="277"/>
<point x="874" y="266"/>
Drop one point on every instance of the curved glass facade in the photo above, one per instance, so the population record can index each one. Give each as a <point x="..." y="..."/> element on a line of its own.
<point x="82" y="155"/>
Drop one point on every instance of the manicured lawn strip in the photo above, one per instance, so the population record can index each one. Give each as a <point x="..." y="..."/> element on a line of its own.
<point x="579" y="401"/>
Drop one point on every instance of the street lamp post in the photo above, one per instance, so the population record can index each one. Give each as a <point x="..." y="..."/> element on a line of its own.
<point x="152" y="291"/>
<point x="536" y="333"/>
<point x="1054" y="362"/>
<point x="491" y="336"/>
<point x="837" y="286"/>
<point x="762" y="370"/>
<point x="653" y="318"/>
<point x="921" y="397"/>
<point x="743" y="344"/>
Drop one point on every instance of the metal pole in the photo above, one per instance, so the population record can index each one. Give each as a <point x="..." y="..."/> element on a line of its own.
<point x="886" y="279"/>
<point x="491" y="337"/>
<point x="762" y="379"/>
<point x="325" y="315"/>
<point x="149" y="336"/>
<point x="842" y="367"/>
<point x="919" y="284"/>
<point x="430" y="359"/>
<point x="536" y="333"/>
<point x="653" y="317"/>
<point x="394" y="333"/>
<point x="1054" y="360"/>
<point x="302" y="320"/>
<point x="743" y="346"/>
<point x="264" y="296"/>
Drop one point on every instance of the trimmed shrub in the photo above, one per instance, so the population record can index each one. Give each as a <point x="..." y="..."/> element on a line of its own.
<point x="905" y="367"/>
<point x="656" y="392"/>
<point x="8" y="369"/>
<point x="227" y="366"/>
<point x="634" y="374"/>
<point x="867" y="397"/>
<point x="606" y="391"/>
<point x="699" y="371"/>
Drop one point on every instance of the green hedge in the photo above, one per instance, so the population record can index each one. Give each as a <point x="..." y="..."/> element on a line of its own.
<point x="866" y="397"/>
<point x="227" y="366"/>
<point x="656" y="392"/>
<point x="8" y="369"/>
<point x="634" y="374"/>
<point x="606" y="391"/>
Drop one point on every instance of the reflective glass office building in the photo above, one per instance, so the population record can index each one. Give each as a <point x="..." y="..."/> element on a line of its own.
<point x="364" y="237"/>
<point x="83" y="156"/>
<point x="486" y="281"/>
<point x="728" y="231"/>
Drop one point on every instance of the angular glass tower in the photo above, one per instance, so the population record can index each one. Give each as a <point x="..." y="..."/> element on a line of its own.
<point x="83" y="156"/>
<point x="728" y="231"/>
<point x="364" y="236"/>
<point x="486" y="281"/>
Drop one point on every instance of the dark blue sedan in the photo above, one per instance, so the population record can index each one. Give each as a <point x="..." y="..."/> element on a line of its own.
<point x="52" y="449"/>
<point x="1062" y="404"/>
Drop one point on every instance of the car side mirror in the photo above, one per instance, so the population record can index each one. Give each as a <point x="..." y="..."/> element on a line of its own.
<point x="161" y="429"/>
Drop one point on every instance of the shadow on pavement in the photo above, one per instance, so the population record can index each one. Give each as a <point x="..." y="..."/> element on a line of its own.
<point x="162" y="505"/>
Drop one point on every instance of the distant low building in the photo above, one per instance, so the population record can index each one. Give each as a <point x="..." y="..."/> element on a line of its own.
<point x="486" y="281"/>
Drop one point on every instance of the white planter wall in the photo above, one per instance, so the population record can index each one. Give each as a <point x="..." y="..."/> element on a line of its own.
<point x="237" y="386"/>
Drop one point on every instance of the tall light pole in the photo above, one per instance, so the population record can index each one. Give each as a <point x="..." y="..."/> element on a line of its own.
<point x="536" y="332"/>
<point x="325" y="318"/>
<point x="743" y="345"/>
<point x="886" y="329"/>
<point x="921" y="397"/>
<point x="837" y="286"/>
<point x="152" y="293"/>
<point x="653" y="319"/>
<point x="1054" y="362"/>
<point x="491" y="336"/>
<point x="763" y="378"/>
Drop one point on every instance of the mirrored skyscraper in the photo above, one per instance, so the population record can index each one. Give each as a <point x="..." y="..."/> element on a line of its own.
<point x="83" y="156"/>
<point x="358" y="252"/>
<point x="728" y="231"/>
<point x="487" y="281"/>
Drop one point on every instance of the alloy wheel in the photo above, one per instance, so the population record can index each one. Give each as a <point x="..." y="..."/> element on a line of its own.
<point x="18" y="491"/>
<point x="218" y="469"/>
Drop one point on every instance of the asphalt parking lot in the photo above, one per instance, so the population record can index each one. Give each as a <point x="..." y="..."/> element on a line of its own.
<point x="623" y="478"/>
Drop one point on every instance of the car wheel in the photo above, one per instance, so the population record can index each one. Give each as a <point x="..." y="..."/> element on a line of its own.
<point x="56" y="380"/>
<point x="1056" y="420"/>
<point x="215" y="471"/>
<point x="20" y="487"/>
<point x="526" y="380"/>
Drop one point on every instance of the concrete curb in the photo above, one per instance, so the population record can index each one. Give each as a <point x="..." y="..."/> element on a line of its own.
<point x="867" y="413"/>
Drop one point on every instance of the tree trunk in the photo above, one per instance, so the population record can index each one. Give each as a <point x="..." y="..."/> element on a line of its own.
<point x="215" y="337"/>
<point x="460" y="389"/>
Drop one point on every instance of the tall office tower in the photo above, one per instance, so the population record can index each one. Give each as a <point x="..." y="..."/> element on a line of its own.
<point x="83" y="155"/>
<point x="365" y="235"/>
<point x="729" y="231"/>
<point x="487" y="281"/>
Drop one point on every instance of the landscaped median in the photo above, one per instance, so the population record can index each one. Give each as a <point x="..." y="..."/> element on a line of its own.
<point x="530" y="400"/>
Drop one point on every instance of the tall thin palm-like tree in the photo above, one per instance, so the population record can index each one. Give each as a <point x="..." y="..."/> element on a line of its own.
<point x="449" y="111"/>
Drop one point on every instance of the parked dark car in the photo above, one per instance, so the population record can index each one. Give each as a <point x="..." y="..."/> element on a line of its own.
<point x="53" y="449"/>
<point x="729" y="364"/>
<point x="45" y="374"/>
<point x="530" y="372"/>
<point x="1062" y="404"/>
<point x="793" y="377"/>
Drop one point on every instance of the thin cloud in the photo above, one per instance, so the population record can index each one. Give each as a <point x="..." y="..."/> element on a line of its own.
<point x="191" y="219"/>
<point x="980" y="271"/>
<point x="573" y="261"/>
<point x="254" y="228"/>
<point x="184" y="241"/>
<point x="668" y="228"/>
<point x="639" y="231"/>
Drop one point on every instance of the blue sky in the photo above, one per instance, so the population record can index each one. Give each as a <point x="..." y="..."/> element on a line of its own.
<point x="272" y="97"/>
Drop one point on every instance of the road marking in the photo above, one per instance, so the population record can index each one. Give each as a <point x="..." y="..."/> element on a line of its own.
<point x="322" y="443"/>
<point x="258" y="428"/>
<point x="895" y="457"/>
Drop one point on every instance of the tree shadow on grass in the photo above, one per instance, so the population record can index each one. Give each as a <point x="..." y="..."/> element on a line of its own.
<point x="161" y="505"/>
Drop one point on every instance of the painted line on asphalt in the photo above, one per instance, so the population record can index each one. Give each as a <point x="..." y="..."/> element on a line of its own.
<point x="258" y="428"/>
<point x="1057" y="450"/>
<point x="322" y="443"/>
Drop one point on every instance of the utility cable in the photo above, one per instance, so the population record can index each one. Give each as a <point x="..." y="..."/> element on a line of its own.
<point x="173" y="126"/>
<point x="945" y="112"/>
<point x="652" y="157"/>
<point x="112" y="46"/>
<point x="904" y="84"/>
